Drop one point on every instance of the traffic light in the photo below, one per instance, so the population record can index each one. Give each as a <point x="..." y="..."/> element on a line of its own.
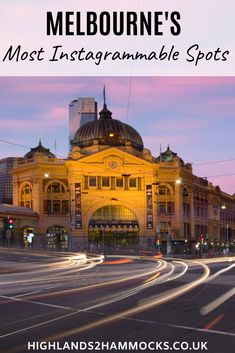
<point x="202" y="239"/>
<point x="9" y="223"/>
<point x="157" y="242"/>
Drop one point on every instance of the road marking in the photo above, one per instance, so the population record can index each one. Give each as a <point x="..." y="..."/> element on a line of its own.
<point x="25" y="294"/>
<point x="155" y="301"/>
<point x="37" y="303"/>
<point x="89" y="309"/>
<point x="182" y="327"/>
<point x="213" y="322"/>
<point x="37" y="325"/>
<point x="217" y="302"/>
<point x="152" y="278"/>
<point x="158" y="300"/>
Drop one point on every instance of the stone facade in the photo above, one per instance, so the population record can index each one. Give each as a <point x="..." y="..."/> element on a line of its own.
<point x="112" y="190"/>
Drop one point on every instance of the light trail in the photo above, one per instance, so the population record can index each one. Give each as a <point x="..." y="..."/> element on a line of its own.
<point x="160" y="266"/>
<point x="218" y="273"/>
<point x="213" y="322"/>
<point x="219" y="260"/>
<point x="44" y="274"/>
<point x="224" y="297"/>
<point x="155" y="301"/>
<point x="128" y="293"/>
<point x="181" y="273"/>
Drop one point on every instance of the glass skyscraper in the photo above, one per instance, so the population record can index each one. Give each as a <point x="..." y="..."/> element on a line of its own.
<point x="81" y="111"/>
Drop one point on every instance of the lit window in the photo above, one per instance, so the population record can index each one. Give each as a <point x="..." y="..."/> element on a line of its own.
<point x="26" y="198"/>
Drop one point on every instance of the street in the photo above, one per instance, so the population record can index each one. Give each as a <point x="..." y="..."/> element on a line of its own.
<point x="79" y="302"/>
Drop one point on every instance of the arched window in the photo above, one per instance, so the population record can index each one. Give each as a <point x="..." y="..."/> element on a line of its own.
<point x="56" y="198"/>
<point x="26" y="196"/>
<point x="185" y="192"/>
<point x="113" y="216"/>
<point x="55" y="188"/>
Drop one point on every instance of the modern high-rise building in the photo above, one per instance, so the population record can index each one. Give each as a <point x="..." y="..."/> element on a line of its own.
<point x="6" y="165"/>
<point x="81" y="111"/>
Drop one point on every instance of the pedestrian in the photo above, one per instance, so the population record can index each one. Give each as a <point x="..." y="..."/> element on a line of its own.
<point x="30" y="239"/>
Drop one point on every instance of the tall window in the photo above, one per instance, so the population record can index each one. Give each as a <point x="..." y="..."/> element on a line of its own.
<point x="162" y="208"/>
<point x="119" y="182"/>
<point x="166" y="207"/>
<point x="26" y="196"/>
<point x="132" y="183"/>
<point x="56" y="198"/>
<point x="185" y="192"/>
<point x="92" y="181"/>
<point x="186" y="210"/>
<point x="105" y="182"/>
<point x="56" y="206"/>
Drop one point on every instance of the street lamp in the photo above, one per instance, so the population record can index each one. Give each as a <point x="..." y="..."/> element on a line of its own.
<point x="178" y="181"/>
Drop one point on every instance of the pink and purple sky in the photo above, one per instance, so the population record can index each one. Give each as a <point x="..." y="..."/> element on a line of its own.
<point x="194" y="115"/>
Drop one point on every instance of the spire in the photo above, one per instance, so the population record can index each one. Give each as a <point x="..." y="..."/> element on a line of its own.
<point x="105" y="113"/>
<point x="40" y="143"/>
<point x="104" y="95"/>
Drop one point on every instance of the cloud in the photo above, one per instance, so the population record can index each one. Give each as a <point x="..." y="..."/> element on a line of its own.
<point x="195" y="115"/>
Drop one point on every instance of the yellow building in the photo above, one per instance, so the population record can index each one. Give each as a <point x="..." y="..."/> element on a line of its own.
<point x="113" y="191"/>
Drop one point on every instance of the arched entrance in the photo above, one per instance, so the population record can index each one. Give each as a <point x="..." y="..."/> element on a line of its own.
<point x="27" y="236"/>
<point x="57" y="236"/>
<point x="113" y="225"/>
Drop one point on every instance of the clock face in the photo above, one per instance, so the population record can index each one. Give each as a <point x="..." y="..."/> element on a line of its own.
<point x="112" y="164"/>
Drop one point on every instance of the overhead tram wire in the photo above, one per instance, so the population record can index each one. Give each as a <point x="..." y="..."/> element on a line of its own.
<point x="211" y="176"/>
<point x="220" y="175"/>
<point x="194" y="164"/>
<point x="22" y="146"/>
<point x="15" y="144"/>
<point x="214" y="162"/>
